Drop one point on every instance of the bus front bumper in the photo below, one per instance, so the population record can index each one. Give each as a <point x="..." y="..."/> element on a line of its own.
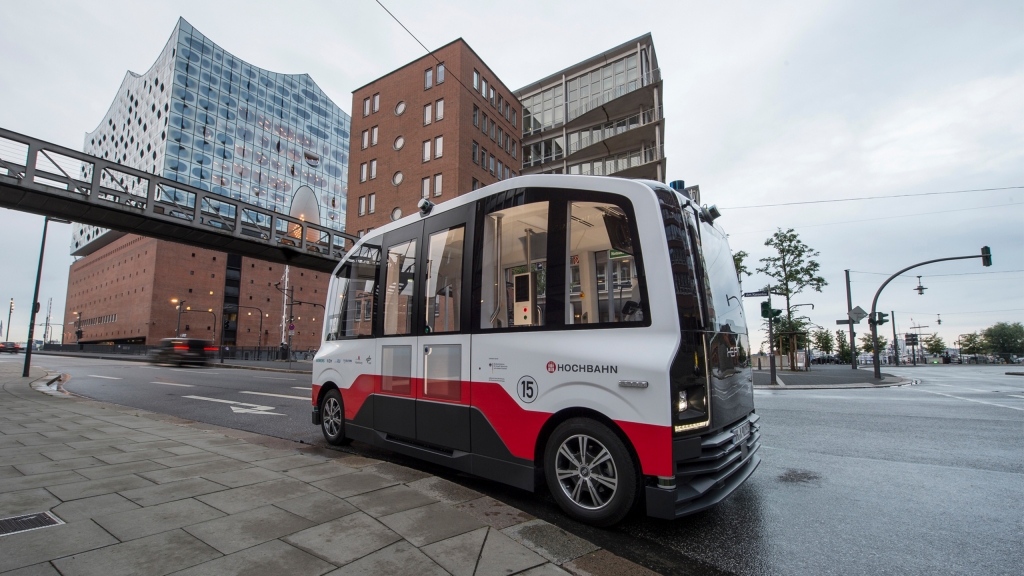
<point x="708" y="469"/>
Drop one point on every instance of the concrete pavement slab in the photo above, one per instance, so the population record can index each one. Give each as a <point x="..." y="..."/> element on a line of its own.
<point x="501" y="555"/>
<point x="113" y="470"/>
<point x="66" y="453"/>
<point x="602" y="563"/>
<point x="319" y="471"/>
<point x="444" y="490"/>
<point x="194" y="470"/>
<point x="96" y="487"/>
<point x="125" y="457"/>
<point x="390" y="500"/>
<point x="429" y="524"/>
<point x="317" y="507"/>
<point x="26" y="458"/>
<point x="545" y="570"/>
<point x="497" y="514"/>
<point x="397" y="473"/>
<point x="28" y="548"/>
<point x="58" y="466"/>
<point x="153" y="556"/>
<point x="253" y="496"/>
<point x="270" y="559"/>
<point x="246" y="529"/>
<point x="343" y="540"/>
<point x="352" y="484"/>
<point x="286" y="463"/>
<point x="550" y="541"/>
<point x="398" y="559"/>
<point x="171" y="491"/>
<point x="9" y="472"/>
<point x="26" y="502"/>
<point x="186" y="459"/>
<point x="155" y="445"/>
<point x="155" y="519"/>
<point x="93" y="507"/>
<point x="244" y="476"/>
<point x="36" y="480"/>
<point x="182" y="450"/>
<point x="458" y="554"/>
<point x="42" y="569"/>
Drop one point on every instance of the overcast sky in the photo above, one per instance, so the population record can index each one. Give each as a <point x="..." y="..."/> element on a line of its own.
<point x="765" y="102"/>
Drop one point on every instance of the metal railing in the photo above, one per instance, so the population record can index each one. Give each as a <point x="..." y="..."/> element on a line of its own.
<point x="50" y="180"/>
<point x="598" y="100"/>
<point x="646" y="117"/>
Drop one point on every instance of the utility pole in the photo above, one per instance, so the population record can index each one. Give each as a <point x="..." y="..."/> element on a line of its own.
<point x="291" y="318"/>
<point x="35" y="303"/>
<point x="895" y="340"/>
<point x="9" y="310"/>
<point x="181" y="304"/>
<point x="849" y="314"/>
<point x="46" y="331"/>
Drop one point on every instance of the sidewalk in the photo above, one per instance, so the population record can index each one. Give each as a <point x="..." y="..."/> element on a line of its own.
<point x="825" y="376"/>
<point x="297" y="366"/>
<point x="144" y="493"/>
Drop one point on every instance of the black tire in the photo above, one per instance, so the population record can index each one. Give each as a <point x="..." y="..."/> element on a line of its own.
<point x="583" y="491"/>
<point x="332" y="419"/>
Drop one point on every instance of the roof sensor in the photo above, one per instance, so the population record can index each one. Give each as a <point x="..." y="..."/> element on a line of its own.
<point x="425" y="206"/>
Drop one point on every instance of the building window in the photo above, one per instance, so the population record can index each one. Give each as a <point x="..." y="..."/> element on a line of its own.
<point x="362" y="172"/>
<point x="483" y="125"/>
<point x="397" y="178"/>
<point x="476" y="116"/>
<point x="372" y="204"/>
<point x="483" y="158"/>
<point x="366" y="107"/>
<point x="438" y="146"/>
<point x="507" y="108"/>
<point x="500" y="168"/>
<point x="359" y="234"/>
<point x="501" y="137"/>
<point x="476" y="153"/>
<point x="513" y="148"/>
<point x="362" y="205"/>
<point x="476" y="80"/>
<point x="366" y="139"/>
<point x="492" y="164"/>
<point x="426" y="150"/>
<point x="399" y="142"/>
<point x="428" y="114"/>
<point x="513" y="118"/>
<point x="483" y="88"/>
<point x="428" y="78"/>
<point x="476" y="184"/>
<point x="506" y="172"/>
<point x="439" y="110"/>
<point x="440" y="73"/>
<point x="373" y="136"/>
<point x="437" y="185"/>
<point x="373" y="169"/>
<point x="396" y="214"/>
<point x="400" y="108"/>
<point x="507" y="148"/>
<point x="425" y="188"/>
<point x="500" y="103"/>
<point x="492" y="96"/>
<point x="492" y="129"/>
<point x="376" y="102"/>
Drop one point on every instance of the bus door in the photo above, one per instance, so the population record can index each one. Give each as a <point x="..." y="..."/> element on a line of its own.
<point x="443" y="398"/>
<point x="398" y="365"/>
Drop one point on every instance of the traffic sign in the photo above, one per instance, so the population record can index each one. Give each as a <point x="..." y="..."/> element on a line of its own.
<point x="291" y="327"/>
<point x="758" y="294"/>
<point x="858" y="314"/>
<point x="842" y="322"/>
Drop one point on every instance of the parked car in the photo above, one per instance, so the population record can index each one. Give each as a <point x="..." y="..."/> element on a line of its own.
<point x="11" y="347"/>
<point x="182" y="351"/>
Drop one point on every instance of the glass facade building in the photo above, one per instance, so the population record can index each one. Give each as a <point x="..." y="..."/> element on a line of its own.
<point x="208" y="119"/>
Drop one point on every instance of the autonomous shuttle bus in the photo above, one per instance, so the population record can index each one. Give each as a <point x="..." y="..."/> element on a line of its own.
<point x="583" y="332"/>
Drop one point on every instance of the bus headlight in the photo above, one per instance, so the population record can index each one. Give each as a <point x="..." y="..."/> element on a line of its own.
<point x="683" y="404"/>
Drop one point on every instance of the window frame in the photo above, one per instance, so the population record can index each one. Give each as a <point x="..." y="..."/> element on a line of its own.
<point x="438" y="146"/>
<point x="371" y="204"/>
<point x="365" y="140"/>
<point x="366" y="107"/>
<point x="363" y="172"/>
<point x="426" y="150"/>
<point x="373" y="169"/>
<point x="373" y="135"/>
<point x="376" y="103"/>
<point x="428" y="113"/>
<point x="438" y="182"/>
<point x="439" y="110"/>
<point x="428" y="78"/>
<point x="439" y="74"/>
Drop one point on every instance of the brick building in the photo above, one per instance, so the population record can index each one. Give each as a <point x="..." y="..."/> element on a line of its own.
<point x="437" y="127"/>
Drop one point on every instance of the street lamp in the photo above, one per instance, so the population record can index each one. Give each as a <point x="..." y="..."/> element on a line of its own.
<point x="180" y="303"/>
<point x="259" y="342"/>
<point x="9" y="310"/>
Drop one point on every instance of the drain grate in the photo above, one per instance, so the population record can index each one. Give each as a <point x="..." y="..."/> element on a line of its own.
<point x="27" y="522"/>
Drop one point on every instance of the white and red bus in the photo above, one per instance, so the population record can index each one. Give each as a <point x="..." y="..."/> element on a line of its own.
<point x="586" y="332"/>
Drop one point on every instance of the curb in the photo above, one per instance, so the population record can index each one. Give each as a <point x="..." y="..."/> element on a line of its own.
<point x="883" y="384"/>
<point x="133" y="358"/>
<point x="1015" y="373"/>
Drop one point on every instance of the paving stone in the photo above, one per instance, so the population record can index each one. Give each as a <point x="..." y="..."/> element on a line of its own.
<point x="270" y="559"/>
<point x="397" y="473"/>
<point x="160" y="493"/>
<point x="182" y="450"/>
<point x="28" y="548"/>
<point x="343" y="540"/>
<point x="112" y="470"/>
<point x="459" y="554"/>
<point x="352" y="484"/>
<point x="92" y="507"/>
<point x="186" y="459"/>
<point x="155" y="555"/>
<point x="155" y="519"/>
<point x="36" y="480"/>
<point x="443" y="490"/>
<point x="390" y="500"/>
<point x="9" y="472"/>
<point x="25" y="458"/>
<point x="194" y="470"/>
<point x="41" y="441"/>
<point x="318" y="507"/>
<point x="429" y="524"/>
<point x="246" y="529"/>
<point x="502" y="556"/>
<point x="58" y="465"/>
<point x="319" y="472"/>
<point x="248" y="497"/>
<point x="96" y="487"/>
<point x="42" y="569"/>
<point x="248" y="452"/>
<point x="108" y="443"/>
<point x="357" y="461"/>
<point x="545" y="570"/>
<point x="68" y="453"/>
<point x="289" y="462"/>
<point x="244" y="477"/>
<point x="603" y="562"/>
<point x="549" y="541"/>
<point x="26" y="502"/>
<point x="495" y="513"/>
<point x="136" y="456"/>
<point x="398" y="559"/>
<point x="155" y="445"/>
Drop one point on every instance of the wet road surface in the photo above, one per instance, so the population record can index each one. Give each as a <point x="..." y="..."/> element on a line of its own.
<point x="918" y="479"/>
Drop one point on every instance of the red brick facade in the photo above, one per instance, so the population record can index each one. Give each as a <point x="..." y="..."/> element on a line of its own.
<point x="456" y="165"/>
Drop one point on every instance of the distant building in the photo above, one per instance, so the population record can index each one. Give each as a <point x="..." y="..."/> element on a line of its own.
<point x="205" y="118"/>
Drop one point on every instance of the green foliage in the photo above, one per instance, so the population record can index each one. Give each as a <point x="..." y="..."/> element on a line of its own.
<point x="823" y="340"/>
<point x="934" y="344"/>
<point x="741" y="268"/>
<point x="865" y="343"/>
<point x="843" y="343"/>
<point x="972" y="343"/>
<point x="1005" y="338"/>
<point x="792" y="268"/>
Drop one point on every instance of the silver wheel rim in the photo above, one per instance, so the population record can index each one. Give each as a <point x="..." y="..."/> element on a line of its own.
<point x="586" y="472"/>
<point x="332" y="417"/>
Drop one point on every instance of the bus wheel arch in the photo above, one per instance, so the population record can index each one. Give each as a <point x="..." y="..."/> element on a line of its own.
<point x="332" y="415"/>
<point x="568" y="413"/>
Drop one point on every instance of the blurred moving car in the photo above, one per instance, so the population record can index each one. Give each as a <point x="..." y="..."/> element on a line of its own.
<point x="11" y="347"/>
<point x="182" y="351"/>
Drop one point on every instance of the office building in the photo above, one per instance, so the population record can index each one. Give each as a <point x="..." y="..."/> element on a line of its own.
<point x="602" y="116"/>
<point x="208" y="119"/>
<point x="435" y="128"/>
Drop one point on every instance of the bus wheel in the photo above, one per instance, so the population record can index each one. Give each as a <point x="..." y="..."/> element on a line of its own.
<point x="590" y="473"/>
<point x="332" y="419"/>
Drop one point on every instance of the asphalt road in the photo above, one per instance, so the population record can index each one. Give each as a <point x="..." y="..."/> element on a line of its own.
<point x="925" y="479"/>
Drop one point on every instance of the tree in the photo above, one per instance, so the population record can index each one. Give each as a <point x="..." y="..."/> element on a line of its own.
<point x="792" y="268"/>
<point x="843" y="342"/>
<point x="972" y="343"/>
<point x="823" y="340"/>
<point x="1005" y="338"/>
<point x="741" y="268"/>
<point x="934" y="344"/>
<point x="865" y="343"/>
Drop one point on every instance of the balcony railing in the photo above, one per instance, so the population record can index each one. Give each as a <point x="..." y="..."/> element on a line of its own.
<point x="598" y="100"/>
<point x="645" y="117"/>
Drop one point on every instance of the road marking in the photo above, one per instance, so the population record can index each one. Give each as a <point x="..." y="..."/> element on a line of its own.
<point x="310" y="389"/>
<point x="173" y="384"/>
<point x="1016" y="396"/>
<point x="105" y="377"/>
<point x="240" y="407"/>
<point x="779" y="381"/>
<point x="273" y="378"/>
<point x="192" y="370"/>
<point x="303" y="398"/>
<point x="970" y="400"/>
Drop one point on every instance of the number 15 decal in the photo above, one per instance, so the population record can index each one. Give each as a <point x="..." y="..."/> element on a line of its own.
<point x="527" y="389"/>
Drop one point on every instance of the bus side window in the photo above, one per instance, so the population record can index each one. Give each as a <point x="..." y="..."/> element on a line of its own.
<point x="399" y="289"/>
<point x="514" y="266"/>
<point x="350" y="301"/>
<point x="602" y="277"/>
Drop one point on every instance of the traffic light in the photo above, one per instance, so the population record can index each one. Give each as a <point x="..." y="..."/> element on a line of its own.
<point x="881" y="318"/>
<point x="78" y="334"/>
<point x="766" y="310"/>
<point x="776" y="312"/>
<point x="986" y="256"/>
<point x="911" y="339"/>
